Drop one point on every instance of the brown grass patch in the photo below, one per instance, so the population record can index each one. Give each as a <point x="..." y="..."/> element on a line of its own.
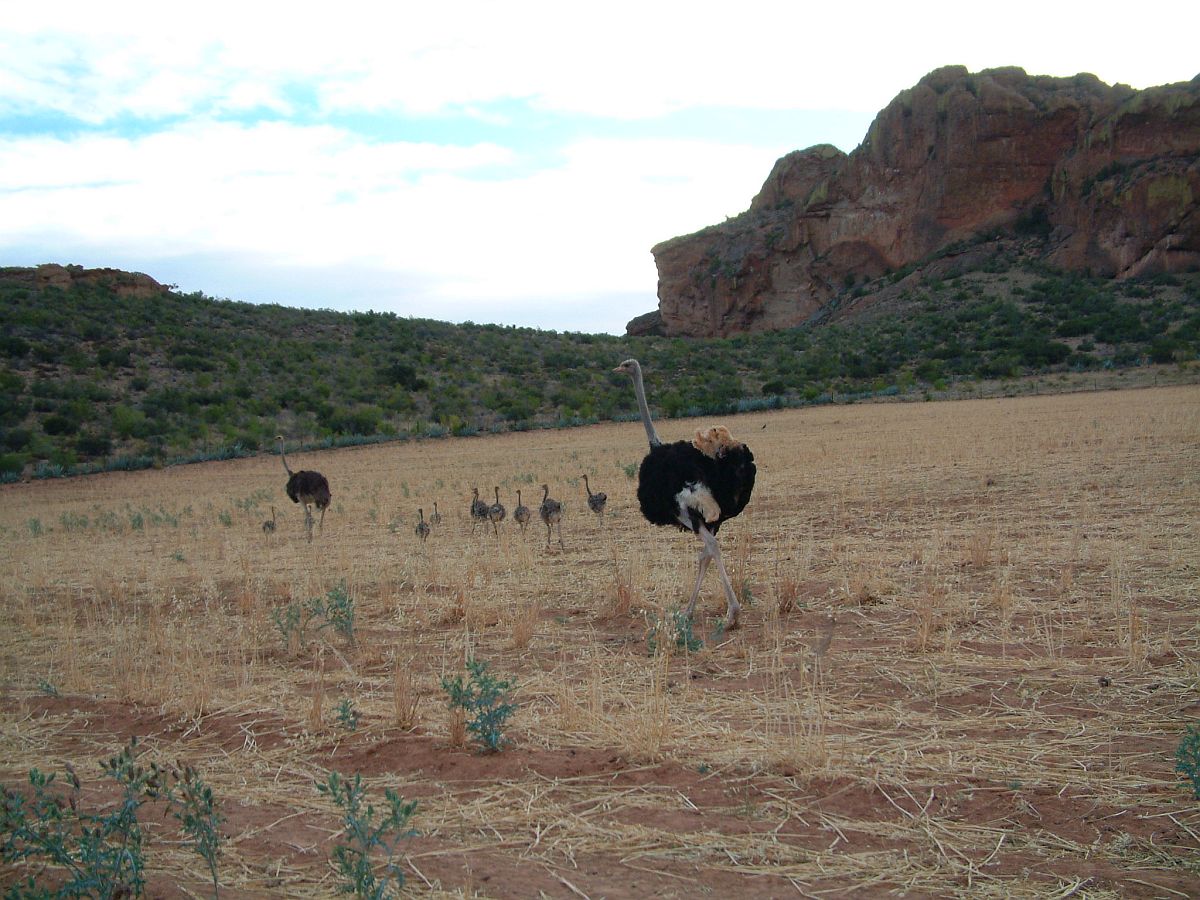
<point x="968" y="652"/>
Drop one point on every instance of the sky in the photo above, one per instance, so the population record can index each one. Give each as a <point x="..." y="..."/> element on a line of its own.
<point x="505" y="162"/>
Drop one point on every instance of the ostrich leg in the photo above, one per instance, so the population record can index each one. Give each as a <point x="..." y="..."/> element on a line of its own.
<point x="308" y="522"/>
<point x="321" y="525"/>
<point x="714" y="551"/>
<point x="703" y="561"/>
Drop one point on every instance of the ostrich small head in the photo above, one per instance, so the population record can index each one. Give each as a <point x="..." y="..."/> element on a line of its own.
<point x="629" y="367"/>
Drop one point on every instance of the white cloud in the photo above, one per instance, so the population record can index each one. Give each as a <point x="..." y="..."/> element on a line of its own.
<point x="316" y="197"/>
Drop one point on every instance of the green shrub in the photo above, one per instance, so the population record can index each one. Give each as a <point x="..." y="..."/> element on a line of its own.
<point x="673" y="630"/>
<point x="364" y="833"/>
<point x="334" y="610"/>
<point x="484" y="699"/>
<point x="194" y="807"/>
<point x="1187" y="758"/>
<point x="101" y="853"/>
<point x="347" y="715"/>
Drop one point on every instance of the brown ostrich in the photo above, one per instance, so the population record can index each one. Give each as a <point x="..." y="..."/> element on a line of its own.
<point x="307" y="488"/>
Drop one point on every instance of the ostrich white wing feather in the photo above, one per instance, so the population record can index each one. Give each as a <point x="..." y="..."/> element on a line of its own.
<point x="696" y="496"/>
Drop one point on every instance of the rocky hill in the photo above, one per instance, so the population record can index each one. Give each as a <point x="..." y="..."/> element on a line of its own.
<point x="1085" y="176"/>
<point x="102" y="369"/>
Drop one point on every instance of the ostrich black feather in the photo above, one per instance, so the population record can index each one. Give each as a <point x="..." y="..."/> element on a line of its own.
<point x="311" y="487"/>
<point x="670" y="470"/>
<point x="695" y="486"/>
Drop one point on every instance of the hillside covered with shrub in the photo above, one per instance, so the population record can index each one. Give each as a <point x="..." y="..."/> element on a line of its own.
<point x="92" y="379"/>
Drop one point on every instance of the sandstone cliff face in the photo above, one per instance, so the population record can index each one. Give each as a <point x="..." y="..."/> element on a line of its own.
<point x="1108" y="175"/>
<point x="123" y="284"/>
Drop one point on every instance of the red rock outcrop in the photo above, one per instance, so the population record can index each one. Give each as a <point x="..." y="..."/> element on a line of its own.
<point x="123" y="284"/>
<point x="1108" y="176"/>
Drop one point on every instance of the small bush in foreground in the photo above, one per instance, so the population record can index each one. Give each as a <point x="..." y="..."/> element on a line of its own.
<point x="194" y="807"/>
<point x="364" y="834"/>
<point x="102" y="854"/>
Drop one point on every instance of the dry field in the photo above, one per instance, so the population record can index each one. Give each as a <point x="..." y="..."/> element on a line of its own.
<point x="970" y="653"/>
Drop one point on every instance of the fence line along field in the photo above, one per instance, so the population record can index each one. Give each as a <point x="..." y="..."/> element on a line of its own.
<point x="968" y="652"/>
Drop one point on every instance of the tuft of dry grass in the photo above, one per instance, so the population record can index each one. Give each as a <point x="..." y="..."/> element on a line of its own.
<point x="406" y="699"/>
<point x="316" y="709"/>
<point x="524" y="624"/>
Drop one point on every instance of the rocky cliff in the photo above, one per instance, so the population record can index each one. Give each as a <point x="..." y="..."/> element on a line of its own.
<point x="123" y="284"/>
<point x="1106" y="179"/>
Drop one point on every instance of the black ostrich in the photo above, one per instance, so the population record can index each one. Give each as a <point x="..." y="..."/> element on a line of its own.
<point x="422" y="530"/>
<point x="695" y="486"/>
<point x="479" y="509"/>
<point x="496" y="512"/>
<point x="551" y="513"/>
<point x="307" y="488"/>
<point x="521" y="514"/>
<point x="595" y="501"/>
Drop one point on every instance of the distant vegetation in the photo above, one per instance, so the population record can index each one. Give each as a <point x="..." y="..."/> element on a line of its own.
<point x="89" y="381"/>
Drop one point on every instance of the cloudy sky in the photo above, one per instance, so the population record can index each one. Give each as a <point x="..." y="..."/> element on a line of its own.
<point x="509" y="162"/>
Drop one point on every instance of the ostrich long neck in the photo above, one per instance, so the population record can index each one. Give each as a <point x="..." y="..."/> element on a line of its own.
<point x="640" y="390"/>
<point x="283" y="457"/>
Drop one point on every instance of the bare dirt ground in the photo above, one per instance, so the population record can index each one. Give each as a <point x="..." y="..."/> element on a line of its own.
<point x="968" y="655"/>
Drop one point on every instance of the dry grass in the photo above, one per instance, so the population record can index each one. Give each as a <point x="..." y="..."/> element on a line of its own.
<point x="971" y="650"/>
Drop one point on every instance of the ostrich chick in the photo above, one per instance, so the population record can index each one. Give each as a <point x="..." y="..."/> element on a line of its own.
<point x="521" y="514"/>
<point x="479" y="509"/>
<point x="551" y="513"/>
<point x="595" y="501"/>
<point x="496" y="512"/>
